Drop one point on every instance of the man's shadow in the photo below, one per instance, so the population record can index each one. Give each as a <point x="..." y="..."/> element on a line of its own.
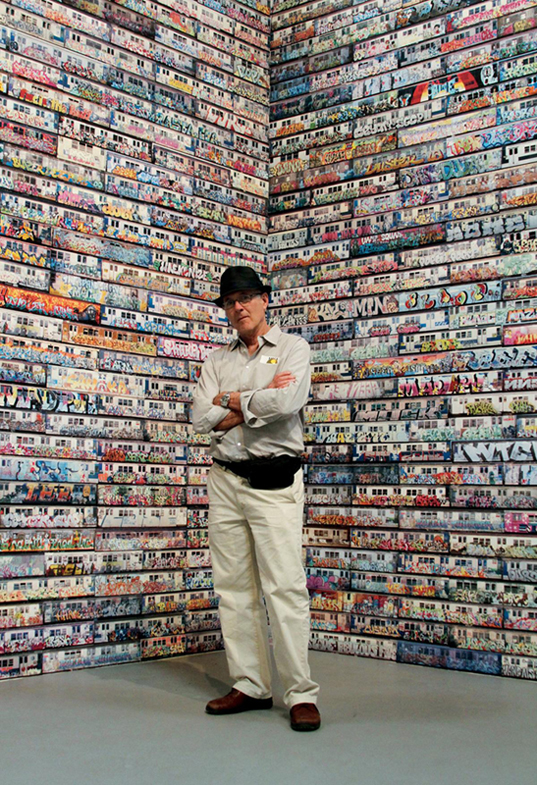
<point x="195" y="677"/>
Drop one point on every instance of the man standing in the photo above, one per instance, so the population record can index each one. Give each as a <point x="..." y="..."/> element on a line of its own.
<point x="250" y="397"/>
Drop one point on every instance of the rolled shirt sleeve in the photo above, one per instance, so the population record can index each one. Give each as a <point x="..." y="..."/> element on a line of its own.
<point x="262" y="407"/>
<point x="205" y="415"/>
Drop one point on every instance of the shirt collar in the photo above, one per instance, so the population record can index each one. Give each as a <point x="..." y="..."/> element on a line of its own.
<point x="271" y="337"/>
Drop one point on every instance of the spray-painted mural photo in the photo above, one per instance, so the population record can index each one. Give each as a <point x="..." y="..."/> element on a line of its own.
<point x="134" y="168"/>
<point x="403" y="246"/>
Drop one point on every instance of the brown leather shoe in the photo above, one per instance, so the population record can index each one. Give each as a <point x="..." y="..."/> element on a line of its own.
<point x="235" y="702"/>
<point x="305" y="716"/>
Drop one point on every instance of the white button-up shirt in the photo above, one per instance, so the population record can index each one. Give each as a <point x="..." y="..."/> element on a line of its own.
<point x="273" y="419"/>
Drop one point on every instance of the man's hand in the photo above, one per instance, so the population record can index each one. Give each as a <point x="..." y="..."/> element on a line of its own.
<point x="230" y="421"/>
<point x="281" y="380"/>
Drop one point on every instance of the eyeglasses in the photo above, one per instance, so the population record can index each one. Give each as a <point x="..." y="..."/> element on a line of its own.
<point x="243" y="299"/>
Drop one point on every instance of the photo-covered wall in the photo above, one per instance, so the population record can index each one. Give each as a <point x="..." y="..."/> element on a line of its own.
<point x="403" y="247"/>
<point x="134" y="168"/>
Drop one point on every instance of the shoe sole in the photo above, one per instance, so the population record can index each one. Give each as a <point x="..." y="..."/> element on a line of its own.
<point x="237" y="711"/>
<point x="304" y="727"/>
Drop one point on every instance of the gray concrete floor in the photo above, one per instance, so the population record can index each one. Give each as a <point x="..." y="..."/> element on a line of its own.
<point x="383" y="724"/>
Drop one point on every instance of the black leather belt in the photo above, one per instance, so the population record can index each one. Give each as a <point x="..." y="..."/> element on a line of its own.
<point x="265" y="473"/>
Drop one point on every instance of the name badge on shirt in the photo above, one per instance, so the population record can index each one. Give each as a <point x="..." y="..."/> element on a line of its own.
<point x="268" y="360"/>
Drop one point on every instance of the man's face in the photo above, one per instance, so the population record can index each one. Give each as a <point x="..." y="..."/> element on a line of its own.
<point x="246" y="316"/>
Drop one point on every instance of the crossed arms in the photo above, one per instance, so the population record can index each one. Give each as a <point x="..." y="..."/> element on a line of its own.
<point x="235" y="416"/>
<point x="283" y="397"/>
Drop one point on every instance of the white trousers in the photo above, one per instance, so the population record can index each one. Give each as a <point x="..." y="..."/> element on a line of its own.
<point x="255" y="540"/>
